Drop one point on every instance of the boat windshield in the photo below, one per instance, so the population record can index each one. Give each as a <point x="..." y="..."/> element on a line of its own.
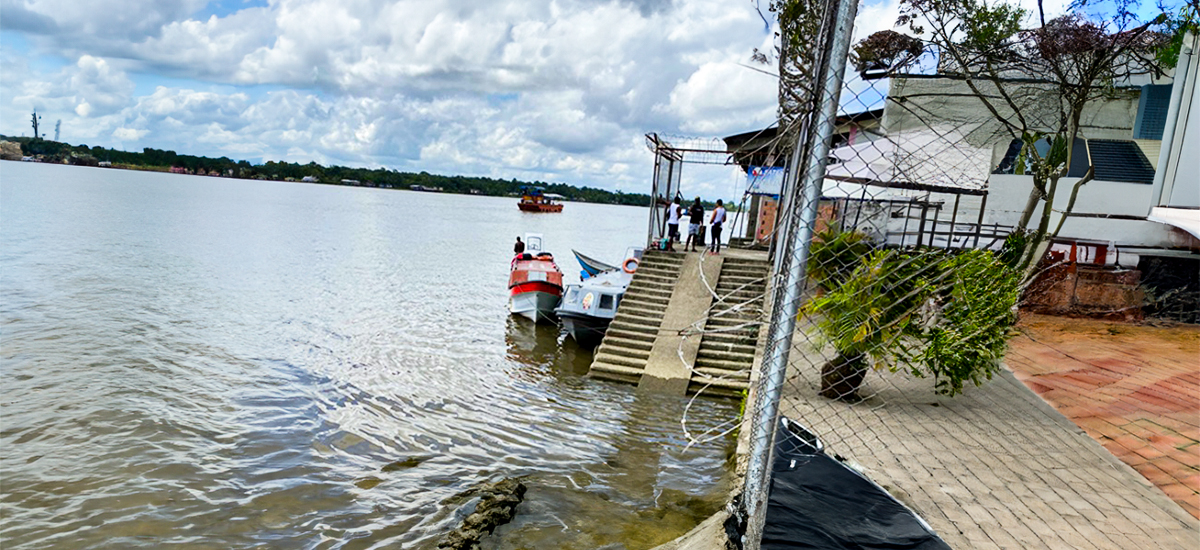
<point x="533" y="243"/>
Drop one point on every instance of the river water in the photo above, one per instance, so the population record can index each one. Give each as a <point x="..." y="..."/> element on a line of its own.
<point x="199" y="362"/>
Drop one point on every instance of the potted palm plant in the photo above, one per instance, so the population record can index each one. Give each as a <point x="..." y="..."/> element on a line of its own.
<point x="930" y="312"/>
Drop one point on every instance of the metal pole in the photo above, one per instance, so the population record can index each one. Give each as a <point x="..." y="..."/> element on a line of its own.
<point x="653" y="193"/>
<point x="794" y="277"/>
<point x="953" y="220"/>
<point x="783" y="215"/>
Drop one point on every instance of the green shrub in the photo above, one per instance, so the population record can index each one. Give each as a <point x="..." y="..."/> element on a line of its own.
<point x="929" y="312"/>
<point x="834" y="255"/>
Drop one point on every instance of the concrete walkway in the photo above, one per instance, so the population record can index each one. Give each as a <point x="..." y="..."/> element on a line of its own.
<point x="995" y="467"/>
<point x="1133" y="388"/>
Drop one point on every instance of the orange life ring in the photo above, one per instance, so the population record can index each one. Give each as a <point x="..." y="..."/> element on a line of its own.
<point x="628" y="269"/>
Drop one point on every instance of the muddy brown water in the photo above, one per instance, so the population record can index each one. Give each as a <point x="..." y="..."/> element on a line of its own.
<point x="196" y="362"/>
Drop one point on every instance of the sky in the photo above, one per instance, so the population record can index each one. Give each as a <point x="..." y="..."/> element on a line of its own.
<point x="550" y="90"/>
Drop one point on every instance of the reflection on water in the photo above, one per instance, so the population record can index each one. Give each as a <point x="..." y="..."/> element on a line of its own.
<point x="206" y="363"/>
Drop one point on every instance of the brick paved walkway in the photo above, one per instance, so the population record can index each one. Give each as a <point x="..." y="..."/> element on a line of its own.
<point x="1135" y="389"/>
<point x="993" y="468"/>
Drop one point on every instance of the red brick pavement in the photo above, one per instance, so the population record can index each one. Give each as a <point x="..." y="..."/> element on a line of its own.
<point x="1133" y="388"/>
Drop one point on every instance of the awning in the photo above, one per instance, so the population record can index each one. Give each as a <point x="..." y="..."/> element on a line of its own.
<point x="1187" y="219"/>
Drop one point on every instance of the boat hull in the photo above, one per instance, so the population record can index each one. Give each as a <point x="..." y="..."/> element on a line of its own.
<point x="587" y="330"/>
<point x="539" y="207"/>
<point x="592" y="266"/>
<point x="536" y="305"/>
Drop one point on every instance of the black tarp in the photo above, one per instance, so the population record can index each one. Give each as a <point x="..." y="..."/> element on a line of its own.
<point x="818" y="502"/>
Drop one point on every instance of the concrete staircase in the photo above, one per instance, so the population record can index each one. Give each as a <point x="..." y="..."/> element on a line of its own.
<point x="726" y="353"/>
<point x="626" y="347"/>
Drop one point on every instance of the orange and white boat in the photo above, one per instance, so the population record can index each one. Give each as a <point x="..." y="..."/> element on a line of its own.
<point x="535" y="283"/>
<point x="534" y="200"/>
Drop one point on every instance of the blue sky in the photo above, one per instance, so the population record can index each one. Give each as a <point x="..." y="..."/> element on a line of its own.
<point x="553" y="90"/>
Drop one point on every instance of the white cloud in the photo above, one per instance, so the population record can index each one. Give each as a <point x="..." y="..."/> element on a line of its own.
<point x="128" y="134"/>
<point x="723" y="97"/>
<point x="560" y="89"/>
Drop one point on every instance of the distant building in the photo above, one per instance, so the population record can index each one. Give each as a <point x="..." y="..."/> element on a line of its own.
<point x="309" y="179"/>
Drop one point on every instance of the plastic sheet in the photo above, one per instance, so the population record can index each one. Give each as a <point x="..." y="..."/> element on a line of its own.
<point x="818" y="502"/>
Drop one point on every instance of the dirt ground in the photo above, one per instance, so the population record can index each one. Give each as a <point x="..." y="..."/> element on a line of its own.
<point x="1135" y="388"/>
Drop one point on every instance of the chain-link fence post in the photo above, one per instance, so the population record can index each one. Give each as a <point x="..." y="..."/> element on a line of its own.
<point x="793" y="275"/>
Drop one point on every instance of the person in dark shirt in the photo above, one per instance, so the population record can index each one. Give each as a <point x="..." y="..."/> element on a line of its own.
<point x="696" y="215"/>
<point x="519" y="248"/>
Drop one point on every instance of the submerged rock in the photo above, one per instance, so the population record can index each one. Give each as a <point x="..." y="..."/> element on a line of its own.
<point x="497" y="505"/>
<point x="368" y="482"/>
<point x="410" y="462"/>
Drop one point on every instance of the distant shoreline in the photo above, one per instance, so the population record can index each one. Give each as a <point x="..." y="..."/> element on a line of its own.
<point x="157" y="160"/>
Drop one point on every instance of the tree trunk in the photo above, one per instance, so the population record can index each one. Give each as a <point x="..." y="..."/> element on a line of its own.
<point x="842" y="376"/>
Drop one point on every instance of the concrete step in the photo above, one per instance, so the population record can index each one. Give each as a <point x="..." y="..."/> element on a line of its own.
<point x="744" y="262"/>
<point x="746" y="292"/>
<point x="718" y="387"/>
<point x="746" y="282"/>
<point x="710" y="345"/>
<point x="651" y="285"/>
<point x="728" y="297"/>
<point x="640" y="333"/>
<point x="742" y="265"/>
<point x="744" y="313"/>
<point x="604" y="356"/>
<point x="632" y="317"/>
<point x="727" y="365"/>
<point x="621" y="340"/>
<point x="658" y="273"/>
<point x="643" y="309"/>
<point x="721" y="355"/>
<point x="725" y="374"/>
<point x="625" y="325"/>
<point x="741" y="278"/>
<point x="652" y="304"/>
<point x="615" y="373"/>
<point x="648" y="292"/>
<point x="611" y="346"/>
<point x="727" y="321"/>
<point x="740" y="338"/>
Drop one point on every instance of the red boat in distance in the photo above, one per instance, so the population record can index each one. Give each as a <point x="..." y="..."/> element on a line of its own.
<point x="535" y="284"/>
<point x="534" y="200"/>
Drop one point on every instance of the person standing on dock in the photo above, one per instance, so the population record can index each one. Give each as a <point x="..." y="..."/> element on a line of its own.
<point x="718" y="218"/>
<point x="695" y="221"/>
<point x="518" y="248"/>
<point x="674" y="211"/>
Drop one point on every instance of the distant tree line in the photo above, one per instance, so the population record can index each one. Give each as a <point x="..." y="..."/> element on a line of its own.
<point x="162" y="160"/>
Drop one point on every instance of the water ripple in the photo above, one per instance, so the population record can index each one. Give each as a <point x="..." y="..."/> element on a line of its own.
<point x="216" y="364"/>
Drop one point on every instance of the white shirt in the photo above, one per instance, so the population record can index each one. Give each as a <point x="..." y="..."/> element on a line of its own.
<point x="719" y="215"/>
<point x="673" y="214"/>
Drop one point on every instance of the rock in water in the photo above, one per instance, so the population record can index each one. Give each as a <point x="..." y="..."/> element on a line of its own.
<point x="410" y="462"/>
<point x="497" y="506"/>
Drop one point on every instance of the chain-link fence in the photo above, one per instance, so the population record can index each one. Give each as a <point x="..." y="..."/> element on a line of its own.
<point x="898" y="271"/>
<point x="897" y="268"/>
<point x="890" y="286"/>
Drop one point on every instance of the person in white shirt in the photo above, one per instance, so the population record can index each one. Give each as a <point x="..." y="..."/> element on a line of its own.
<point x="718" y="218"/>
<point x="674" y="210"/>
